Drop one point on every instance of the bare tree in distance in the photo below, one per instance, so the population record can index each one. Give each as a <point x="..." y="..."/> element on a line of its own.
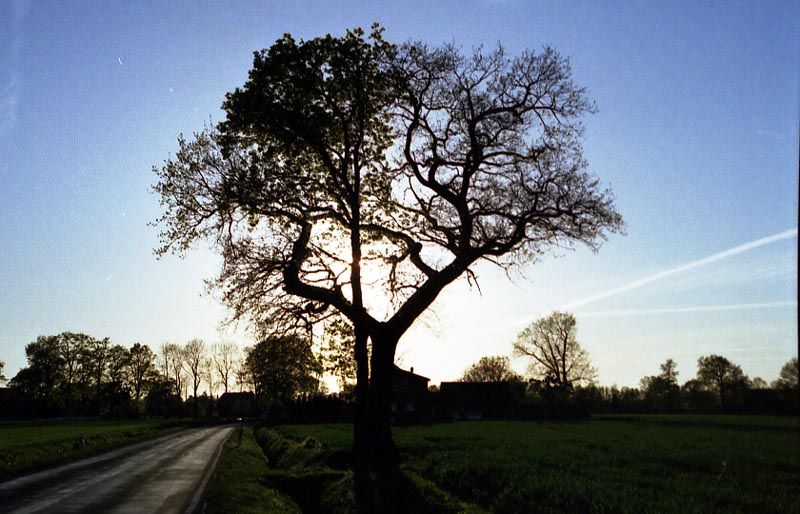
<point x="555" y="356"/>
<point x="141" y="364"/>
<point x="164" y="360"/>
<point x="344" y="154"/>
<point x="194" y="355"/>
<point x="173" y="363"/>
<point x="224" y="356"/>
<point x="240" y="371"/>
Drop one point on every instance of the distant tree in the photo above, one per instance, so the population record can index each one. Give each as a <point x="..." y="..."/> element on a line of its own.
<point x="141" y="368"/>
<point x="721" y="376"/>
<point x="669" y="372"/>
<point x="118" y="360"/>
<point x="38" y="380"/>
<point x="341" y="153"/>
<point x="96" y="362"/>
<point x="786" y="386"/>
<point x="224" y="356"/>
<point x="240" y="373"/>
<point x="758" y="383"/>
<point x="163" y="360"/>
<point x="3" y="378"/>
<point x="161" y="399"/>
<point x="662" y="392"/>
<point x="556" y="358"/>
<point x="282" y="367"/>
<point x="208" y="375"/>
<point x="118" y="386"/>
<point x="788" y="378"/>
<point x="71" y="347"/>
<point x="698" y="397"/>
<point x="173" y="361"/>
<point x="490" y="369"/>
<point x="194" y="356"/>
<point x="84" y="380"/>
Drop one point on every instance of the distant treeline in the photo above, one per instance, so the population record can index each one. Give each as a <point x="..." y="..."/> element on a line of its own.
<point x="74" y="374"/>
<point x="720" y="386"/>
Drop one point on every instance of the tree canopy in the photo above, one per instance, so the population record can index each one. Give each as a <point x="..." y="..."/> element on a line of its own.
<point x="789" y="375"/>
<point x="282" y="367"/>
<point x="722" y="376"/>
<point x="339" y="155"/>
<point x="490" y="369"/>
<point x="662" y="392"/>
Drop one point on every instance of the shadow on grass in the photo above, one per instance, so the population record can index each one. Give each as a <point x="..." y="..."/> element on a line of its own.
<point x="321" y="480"/>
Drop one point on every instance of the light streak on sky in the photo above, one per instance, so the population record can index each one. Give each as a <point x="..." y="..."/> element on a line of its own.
<point x="736" y="250"/>
<point x="682" y="310"/>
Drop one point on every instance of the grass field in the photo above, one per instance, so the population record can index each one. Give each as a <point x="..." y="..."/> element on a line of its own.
<point x="31" y="445"/>
<point x="658" y="464"/>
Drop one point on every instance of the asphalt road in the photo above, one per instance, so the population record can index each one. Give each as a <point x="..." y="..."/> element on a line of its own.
<point x="165" y="475"/>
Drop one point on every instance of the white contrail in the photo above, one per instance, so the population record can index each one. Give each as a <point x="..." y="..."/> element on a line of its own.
<point x="786" y="234"/>
<point x="678" y="310"/>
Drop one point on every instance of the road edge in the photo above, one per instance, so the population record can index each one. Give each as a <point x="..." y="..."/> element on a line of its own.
<point x="196" y="506"/>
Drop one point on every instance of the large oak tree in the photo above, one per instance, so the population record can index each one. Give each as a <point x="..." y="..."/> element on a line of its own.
<point x="340" y="154"/>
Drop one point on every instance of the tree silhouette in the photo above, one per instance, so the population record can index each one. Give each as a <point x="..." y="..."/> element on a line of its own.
<point x="789" y="375"/>
<point x="141" y="367"/>
<point x="194" y="355"/>
<point x="490" y="369"/>
<point x="556" y="357"/>
<point x="722" y="376"/>
<point x="342" y="154"/>
<point x="283" y="366"/>
<point x="224" y="355"/>
<point x="662" y="391"/>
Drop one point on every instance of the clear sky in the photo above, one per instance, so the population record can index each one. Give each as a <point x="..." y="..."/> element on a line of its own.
<point x="696" y="133"/>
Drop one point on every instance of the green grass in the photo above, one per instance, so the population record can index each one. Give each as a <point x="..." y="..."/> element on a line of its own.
<point x="658" y="464"/>
<point x="32" y="445"/>
<point x="319" y="477"/>
<point x="238" y="483"/>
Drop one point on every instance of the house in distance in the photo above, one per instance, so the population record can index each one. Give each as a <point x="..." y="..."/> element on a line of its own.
<point x="410" y="397"/>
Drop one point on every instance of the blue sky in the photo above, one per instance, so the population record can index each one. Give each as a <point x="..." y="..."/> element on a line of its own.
<point x="696" y="133"/>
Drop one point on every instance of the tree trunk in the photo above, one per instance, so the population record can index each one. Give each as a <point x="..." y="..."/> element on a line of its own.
<point x="383" y="455"/>
<point x="361" y="428"/>
<point x="377" y="472"/>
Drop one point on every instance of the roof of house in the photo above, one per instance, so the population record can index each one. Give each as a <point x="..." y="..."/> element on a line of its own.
<point x="407" y="372"/>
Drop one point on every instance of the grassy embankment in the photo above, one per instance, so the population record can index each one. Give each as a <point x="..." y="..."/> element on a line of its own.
<point x="27" y="446"/>
<point x="237" y="486"/>
<point x="651" y="464"/>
